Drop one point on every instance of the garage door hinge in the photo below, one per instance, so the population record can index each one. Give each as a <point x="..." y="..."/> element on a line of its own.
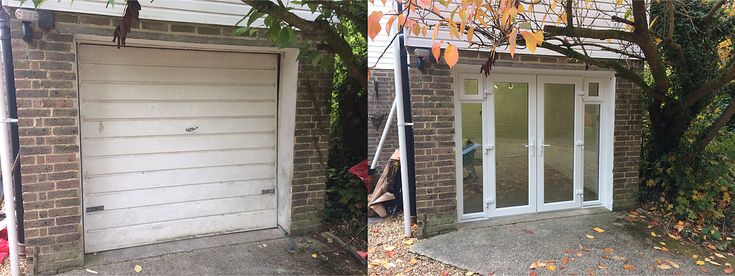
<point x="95" y="208"/>
<point x="268" y="191"/>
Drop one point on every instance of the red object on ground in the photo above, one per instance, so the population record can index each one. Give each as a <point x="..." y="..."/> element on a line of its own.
<point x="361" y="171"/>
<point x="4" y="251"/>
<point x="362" y="254"/>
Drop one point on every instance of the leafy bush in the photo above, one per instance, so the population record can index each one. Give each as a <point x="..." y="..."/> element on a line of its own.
<point x="704" y="195"/>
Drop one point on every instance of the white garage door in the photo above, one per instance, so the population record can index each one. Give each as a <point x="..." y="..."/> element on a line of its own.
<point x="175" y="144"/>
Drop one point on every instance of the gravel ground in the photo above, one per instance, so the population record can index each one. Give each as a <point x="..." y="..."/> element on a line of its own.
<point x="386" y="236"/>
<point x="5" y="269"/>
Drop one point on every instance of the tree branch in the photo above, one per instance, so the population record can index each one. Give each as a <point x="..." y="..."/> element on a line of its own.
<point x="725" y="76"/>
<point x="711" y="132"/>
<point x="711" y="14"/>
<point x="610" y="64"/>
<point x="648" y="47"/>
<point x="343" y="11"/>
<point x="600" y="34"/>
<point x="316" y="30"/>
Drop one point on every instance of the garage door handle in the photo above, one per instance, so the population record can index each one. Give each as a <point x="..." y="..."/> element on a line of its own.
<point x="191" y="129"/>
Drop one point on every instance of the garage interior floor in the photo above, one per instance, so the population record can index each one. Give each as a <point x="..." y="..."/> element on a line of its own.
<point x="255" y="252"/>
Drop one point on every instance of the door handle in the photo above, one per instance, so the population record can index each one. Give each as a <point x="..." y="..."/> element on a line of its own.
<point x="530" y="146"/>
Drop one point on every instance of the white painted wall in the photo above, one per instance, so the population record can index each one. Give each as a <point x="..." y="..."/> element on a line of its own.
<point x="382" y="41"/>
<point x="217" y="12"/>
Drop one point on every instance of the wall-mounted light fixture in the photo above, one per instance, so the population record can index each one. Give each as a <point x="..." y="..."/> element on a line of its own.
<point x="28" y="19"/>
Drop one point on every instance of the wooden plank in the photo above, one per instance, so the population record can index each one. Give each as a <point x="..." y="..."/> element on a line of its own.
<point x="174" y="110"/>
<point x="95" y="54"/>
<point x="169" y="161"/>
<point x="148" y="180"/>
<point x="174" y="75"/>
<point x="114" y="238"/>
<point x="175" y="127"/>
<point x="174" y="211"/>
<point x="168" y="195"/>
<point x="178" y="143"/>
<point x="139" y="92"/>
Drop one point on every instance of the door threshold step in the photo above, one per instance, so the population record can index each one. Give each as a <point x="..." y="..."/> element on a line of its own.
<point x="513" y="219"/>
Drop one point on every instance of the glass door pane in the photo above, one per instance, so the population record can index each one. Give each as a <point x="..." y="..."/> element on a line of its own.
<point x="557" y="143"/>
<point x="591" y="152"/>
<point x="511" y="136"/>
<point x="472" y="184"/>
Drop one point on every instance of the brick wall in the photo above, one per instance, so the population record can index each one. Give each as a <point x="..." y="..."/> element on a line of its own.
<point x="311" y="148"/>
<point x="49" y="129"/>
<point x="433" y="104"/>
<point x="627" y="146"/>
<point x="381" y="93"/>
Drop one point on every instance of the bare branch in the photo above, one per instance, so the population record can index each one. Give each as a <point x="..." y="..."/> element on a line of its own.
<point x="601" y="34"/>
<point x="610" y="64"/>
<point x="711" y="14"/>
<point x="724" y="77"/>
<point x="711" y="132"/>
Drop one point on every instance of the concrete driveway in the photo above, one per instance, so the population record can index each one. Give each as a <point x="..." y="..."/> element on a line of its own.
<point x="254" y="253"/>
<point x="623" y="248"/>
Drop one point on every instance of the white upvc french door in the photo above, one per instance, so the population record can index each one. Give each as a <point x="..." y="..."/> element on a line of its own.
<point x="533" y="145"/>
<point x="511" y="113"/>
<point x="559" y="142"/>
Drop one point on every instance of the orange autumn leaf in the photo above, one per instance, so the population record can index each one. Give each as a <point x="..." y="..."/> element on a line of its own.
<point x="436" y="49"/>
<point x="512" y="42"/>
<point x="389" y="24"/>
<point x="470" y="33"/>
<point x="451" y="55"/>
<point x="374" y="24"/>
<point x="565" y="261"/>
<point x="629" y="267"/>
<point x="436" y="31"/>
<point x="390" y="254"/>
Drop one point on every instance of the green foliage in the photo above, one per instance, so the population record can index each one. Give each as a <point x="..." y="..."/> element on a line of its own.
<point x="706" y="190"/>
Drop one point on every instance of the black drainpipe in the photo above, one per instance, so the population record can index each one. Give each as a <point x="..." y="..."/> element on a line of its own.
<point x="9" y="75"/>
<point x="410" y="160"/>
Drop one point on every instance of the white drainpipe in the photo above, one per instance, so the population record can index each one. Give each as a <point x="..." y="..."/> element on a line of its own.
<point x="6" y="163"/>
<point x="402" y="135"/>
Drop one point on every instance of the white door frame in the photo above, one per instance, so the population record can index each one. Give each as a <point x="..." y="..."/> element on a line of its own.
<point x="581" y="79"/>
<point x="491" y="209"/>
<point x="578" y="139"/>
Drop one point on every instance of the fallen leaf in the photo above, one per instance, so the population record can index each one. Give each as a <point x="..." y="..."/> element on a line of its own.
<point x="468" y="273"/>
<point x="138" y="268"/>
<point x="675" y="265"/>
<point x="713" y="262"/>
<point x="664" y="266"/>
<point x="629" y="267"/>
<point x="91" y="271"/>
<point x="608" y="250"/>
<point x="728" y="264"/>
<point x="700" y="262"/>
<point x="445" y="273"/>
<point x="720" y="255"/>
<point x="371" y="250"/>
<point x="314" y="255"/>
<point x="674" y="237"/>
<point x="565" y="260"/>
<point x="711" y="247"/>
<point x="695" y="256"/>
<point x="551" y="267"/>
<point x="532" y="273"/>
<point x="598" y="229"/>
<point x="602" y="266"/>
<point x="413" y="261"/>
<point x="619" y="258"/>
<point x="590" y="236"/>
<point x="653" y="234"/>
<point x="729" y="270"/>
<point x="537" y="264"/>
<point x="662" y="243"/>
<point x="390" y="254"/>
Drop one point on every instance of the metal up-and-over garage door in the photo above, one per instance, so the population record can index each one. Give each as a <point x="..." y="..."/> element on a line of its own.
<point x="175" y="143"/>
